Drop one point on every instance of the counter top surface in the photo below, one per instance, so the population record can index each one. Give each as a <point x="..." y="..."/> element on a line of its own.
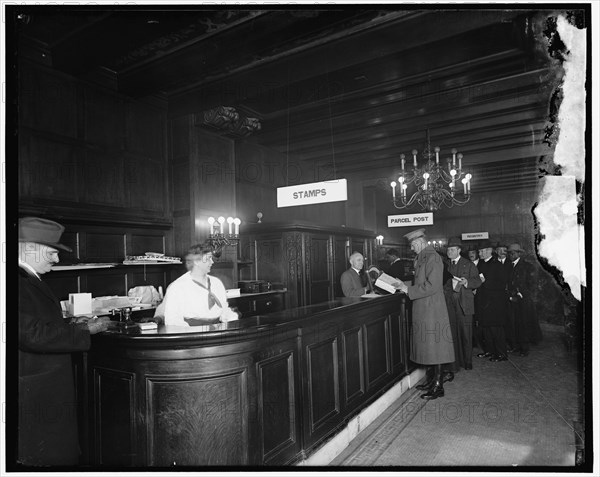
<point x="250" y="325"/>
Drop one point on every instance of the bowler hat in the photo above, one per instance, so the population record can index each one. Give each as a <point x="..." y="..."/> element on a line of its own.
<point x="485" y="244"/>
<point x="454" y="242"/>
<point x="42" y="231"/>
<point x="415" y="234"/>
<point x="515" y="247"/>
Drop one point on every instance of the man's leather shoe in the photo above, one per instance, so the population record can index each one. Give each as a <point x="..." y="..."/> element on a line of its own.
<point x="484" y="355"/>
<point x="448" y="376"/>
<point x="425" y="386"/>
<point x="435" y="392"/>
<point x="495" y="359"/>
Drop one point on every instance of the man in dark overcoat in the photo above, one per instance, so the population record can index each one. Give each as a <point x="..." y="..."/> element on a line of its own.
<point x="47" y="411"/>
<point x="523" y="317"/>
<point x="462" y="279"/>
<point x="431" y="338"/>
<point x="490" y="305"/>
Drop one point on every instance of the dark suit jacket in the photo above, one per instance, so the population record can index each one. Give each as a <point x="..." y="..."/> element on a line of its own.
<point x="47" y="408"/>
<point x="490" y="301"/>
<point x="351" y="283"/>
<point x="521" y="280"/>
<point x="396" y="270"/>
<point x="464" y="269"/>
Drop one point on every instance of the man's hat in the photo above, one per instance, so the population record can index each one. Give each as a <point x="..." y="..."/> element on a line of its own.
<point x="500" y="244"/>
<point x="515" y="247"/>
<point x="415" y="234"/>
<point x="485" y="244"/>
<point x="42" y="231"/>
<point x="455" y="242"/>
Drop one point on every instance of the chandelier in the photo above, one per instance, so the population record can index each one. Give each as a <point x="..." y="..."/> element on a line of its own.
<point x="217" y="237"/>
<point x="436" y="184"/>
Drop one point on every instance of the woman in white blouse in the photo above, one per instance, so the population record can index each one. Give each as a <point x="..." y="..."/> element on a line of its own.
<point x="197" y="298"/>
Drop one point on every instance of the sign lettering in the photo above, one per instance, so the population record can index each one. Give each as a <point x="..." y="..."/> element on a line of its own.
<point x="313" y="193"/>
<point x="475" y="236"/>
<point x="408" y="220"/>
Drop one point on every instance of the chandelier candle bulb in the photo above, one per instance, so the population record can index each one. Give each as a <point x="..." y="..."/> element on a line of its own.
<point x="393" y="184"/>
<point x="230" y="223"/>
<point x="236" y="223"/>
<point x="460" y="162"/>
<point x="453" y="157"/>
<point x="414" y="153"/>
<point x="464" y="181"/>
<point x="402" y="161"/>
<point x="437" y="155"/>
<point x="211" y="222"/>
<point x="221" y="222"/>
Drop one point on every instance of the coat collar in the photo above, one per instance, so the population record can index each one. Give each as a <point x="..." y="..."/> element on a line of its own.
<point x="37" y="283"/>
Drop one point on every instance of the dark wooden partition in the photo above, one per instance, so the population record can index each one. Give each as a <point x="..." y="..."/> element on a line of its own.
<point x="266" y="390"/>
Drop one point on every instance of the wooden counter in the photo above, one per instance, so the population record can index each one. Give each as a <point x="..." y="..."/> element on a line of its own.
<point x="267" y="389"/>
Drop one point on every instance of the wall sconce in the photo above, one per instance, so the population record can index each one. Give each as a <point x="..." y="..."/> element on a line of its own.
<point x="437" y="244"/>
<point x="379" y="240"/>
<point x="216" y="231"/>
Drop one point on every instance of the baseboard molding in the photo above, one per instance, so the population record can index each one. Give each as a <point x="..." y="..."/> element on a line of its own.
<point x="334" y="447"/>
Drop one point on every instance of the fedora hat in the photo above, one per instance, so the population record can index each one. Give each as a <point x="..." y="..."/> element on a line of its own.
<point x="485" y="244"/>
<point x="454" y="242"/>
<point x="42" y="231"/>
<point x="415" y="234"/>
<point x="515" y="247"/>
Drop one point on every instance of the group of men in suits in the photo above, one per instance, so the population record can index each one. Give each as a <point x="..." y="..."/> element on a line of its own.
<point x="504" y="317"/>
<point x="491" y="290"/>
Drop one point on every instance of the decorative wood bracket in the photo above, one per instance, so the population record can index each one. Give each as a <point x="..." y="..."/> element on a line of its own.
<point x="227" y="121"/>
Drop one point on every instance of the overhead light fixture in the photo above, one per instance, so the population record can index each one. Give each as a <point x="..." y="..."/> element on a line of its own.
<point x="436" y="184"/>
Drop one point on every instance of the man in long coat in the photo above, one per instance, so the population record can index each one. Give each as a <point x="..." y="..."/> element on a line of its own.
<point x="431" y="338"/>
<point x="47" y="410"/>
<point x="461" y="280"/>
<point x="490" y="305"/>
<point x="525" y="327"/>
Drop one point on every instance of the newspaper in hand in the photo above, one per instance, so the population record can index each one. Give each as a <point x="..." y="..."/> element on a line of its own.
<point x="387" y="282"/>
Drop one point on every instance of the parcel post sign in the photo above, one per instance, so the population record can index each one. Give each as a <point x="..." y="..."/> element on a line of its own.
<point x="313" y="193"/>
<point x="410" y="220"/>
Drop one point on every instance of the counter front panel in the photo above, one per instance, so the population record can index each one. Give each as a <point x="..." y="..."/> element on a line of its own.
<point x="267" y="389"/>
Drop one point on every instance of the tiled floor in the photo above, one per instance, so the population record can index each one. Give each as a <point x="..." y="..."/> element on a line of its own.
<point x="521" y="412"/>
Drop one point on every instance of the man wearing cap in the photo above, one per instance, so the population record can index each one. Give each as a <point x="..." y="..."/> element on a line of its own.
<point x="47" y="417"/>
<point x="524" y="325"/>
<point x="462" y="279"/>
<point x="431" y="337"/>
<point x="351" y="280"/>
<point x="490" y="305"/>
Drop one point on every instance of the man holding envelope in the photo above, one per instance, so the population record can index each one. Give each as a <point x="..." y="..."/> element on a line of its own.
<point x="462" y="279"/>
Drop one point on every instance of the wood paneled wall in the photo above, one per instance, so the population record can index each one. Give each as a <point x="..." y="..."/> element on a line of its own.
<point x="88" y="154"/>
<point x="260" y="171"/>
